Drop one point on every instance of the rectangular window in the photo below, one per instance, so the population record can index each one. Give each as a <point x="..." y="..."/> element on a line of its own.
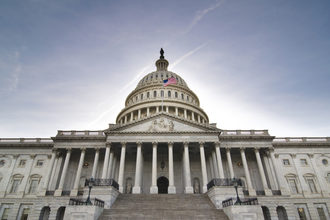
<point x="162" y="93"/>
<point x="22" y="163"/>
<point x="5" y="214"/>
<point x="293" y="186"/>
<point x="321" y="213"/>
<point x="286" y="162"/>
<point x="311" y="185"/>
<point x="15" y="185"/>
<point x="34" y="186"/>
<point x="302" y="214"/>
<point x="303" y="162"/>
<point x="40" y="163"/>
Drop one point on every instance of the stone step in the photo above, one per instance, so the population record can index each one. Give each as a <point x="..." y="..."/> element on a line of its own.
<point x="163" y="206"/>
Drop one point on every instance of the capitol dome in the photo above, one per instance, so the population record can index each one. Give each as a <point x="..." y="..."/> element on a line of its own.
<point x="150" y="97"/>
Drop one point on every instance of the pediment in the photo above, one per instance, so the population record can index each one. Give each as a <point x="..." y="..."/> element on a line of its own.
<point x="163" y="123"/>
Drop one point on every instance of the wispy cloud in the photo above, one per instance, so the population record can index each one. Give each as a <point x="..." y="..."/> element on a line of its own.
<point x="200" y="14"/>
<point x="176" y="62"/>
<point x="11" y="69"/>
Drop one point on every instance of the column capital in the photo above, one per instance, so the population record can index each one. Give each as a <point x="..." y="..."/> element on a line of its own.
<point x="276" y="155"/>
<point x="54" y="150"/>
<point x="242" y="149"/>
<point x="186" y="143"/>
<point x="217" y="143"/>
<point x="49" y="156"/>
<point x="227" y="149"/>
<point x="310" y="155"/>
<point x="293" y="155"/>
<point x="170" y="143"/>
<point x="256" y="149"/>
<point x="201" y="143"/>
<point x="83" y="148"/>
<point x="69" y="149"/>
<point x="271" y="149"/>
<point x="15" y="156"/>
<point x="123" y="144"/>
<point x="33" y="156"/>
<point x="139" y="143"/>
<point x="97" y="149"/>
<point x="108" y="144"/>
<point x="154" y="143"/>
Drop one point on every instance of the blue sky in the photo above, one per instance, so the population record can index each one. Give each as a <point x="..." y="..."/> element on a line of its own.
<point x="254" y="64"/>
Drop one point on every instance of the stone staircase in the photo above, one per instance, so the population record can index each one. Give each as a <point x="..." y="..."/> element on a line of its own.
<point x="161" y="206"/>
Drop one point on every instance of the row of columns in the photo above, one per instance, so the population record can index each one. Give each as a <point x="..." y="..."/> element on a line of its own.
<point x="198" y="119"/>
<point x="110" y="161"/>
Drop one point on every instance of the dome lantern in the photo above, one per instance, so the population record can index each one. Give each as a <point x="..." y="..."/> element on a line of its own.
<point x="162" y="63"/>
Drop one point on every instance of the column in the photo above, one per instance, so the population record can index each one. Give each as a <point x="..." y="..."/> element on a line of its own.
<point x="106" y="161"/>
<point x="185" y="113"/>
<point x="47" y="178"/>
<point x="154" y="188"/>
<point x="252" y="192"/>
<point x="280" y="179"/>
<point x="157" y="109"/>
<point x="113" y="169"/>
<point x="188" y="187"/>
<point x="53" y="176"/>
<point x="199" y="118"/>
<point x="122" y="167"/>
<point x="203" y="166"/>
<point x="210" y="161"/>
<point x="74" y="192"/>
<point x="320" y="178"/>
<point x="303" y="184"/>
<point x="176" y="111"/>
<point x="230" y="164"/>
<point x="166" y="109"/>
<point x="215" y="167"/>
<point x="110" y="165"/>
<point x="192" y="116"/>
<point x="139" y="114"/>
<point x="171" y="187"/>
<point x="138" y="169"/>
<point x="148" y="112"/>
<point x="58" y="192"/>
<point x="219" y="159"/>
<point x="268" y="192"/>
<point x="131" y="117"/>
<point x="96" y="161"/>
<point x="125" y="119"/>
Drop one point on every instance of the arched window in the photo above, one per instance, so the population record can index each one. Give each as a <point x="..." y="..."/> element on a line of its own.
<point x="311" y="182"/>
<point x="188" y="98"/>
<point x="44" y="214"/>
<point x="34" y="183"/>
<point x="16" y="181"/>
<point x="141" y="96"/>
<point x="60" y="213"/>
<point x="148" y="95"/>
<point x="155" y="94"/>
<point x="281" y="213"/>
<point x="162" y="93"/>
<point x="176" y="94"/>
<point x="266" y="213"/>
<point x="292" y="181"/>
<point x="136" y="98"/>
<point x="169" y="94"/>
<point x="182" y="96"/>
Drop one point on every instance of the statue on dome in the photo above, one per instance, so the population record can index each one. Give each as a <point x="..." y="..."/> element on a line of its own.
<point x="161" y="53"/>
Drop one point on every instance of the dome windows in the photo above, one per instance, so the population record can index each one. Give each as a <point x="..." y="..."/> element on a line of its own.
<point x="162" y="93"/>
<point x="155" y="94"/>
<point x="148" y="95"/>
<point x="182" y="96"/>
<point x="169" y="94"/>
<point x="176" y="94"/>
<point x="142" y="96"/>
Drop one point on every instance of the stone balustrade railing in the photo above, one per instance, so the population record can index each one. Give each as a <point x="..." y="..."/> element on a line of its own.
<point x="244" y="132"/>
<point x="80" y="133"/>
<point x="302" y="139"/>
<point x="26" y="140"/>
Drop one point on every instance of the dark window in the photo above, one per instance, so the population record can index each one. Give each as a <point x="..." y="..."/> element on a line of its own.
<point x="155" y="94"/>
<point x="169" y="94"/>
<point x="176" y="94"/>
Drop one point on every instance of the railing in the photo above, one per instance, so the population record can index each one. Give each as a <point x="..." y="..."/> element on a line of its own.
<point x="276" y="192"/>
<point x="223" y="182"/>
<point x="95" y="202"/>
<point x="301" y="139"/>
<point x="244" y="132"/>
<point x="50" y="193"/>
<point x="80" y="133"/>
<point x="230" y="202"/>
<point x="102" y="182"/>
<point x="26" y="140"/>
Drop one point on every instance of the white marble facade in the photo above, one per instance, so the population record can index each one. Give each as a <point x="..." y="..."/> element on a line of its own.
<point x="163" y="139"/>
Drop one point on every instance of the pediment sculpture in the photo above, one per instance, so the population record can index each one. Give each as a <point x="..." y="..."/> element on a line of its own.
<point x="161" y="125"/>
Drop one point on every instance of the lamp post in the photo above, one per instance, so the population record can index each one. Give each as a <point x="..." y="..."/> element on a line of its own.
<point x="90" y="185"/>
<point x="238" y="200"/>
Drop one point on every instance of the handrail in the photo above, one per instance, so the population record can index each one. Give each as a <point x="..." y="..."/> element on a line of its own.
<point x="95" y="202"/>
<point x="102" y="182"/>
<point x="224" y="182"/>
<point x="230" y="202"/>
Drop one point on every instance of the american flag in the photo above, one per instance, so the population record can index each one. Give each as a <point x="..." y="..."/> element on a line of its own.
<point x="169" y="81"/>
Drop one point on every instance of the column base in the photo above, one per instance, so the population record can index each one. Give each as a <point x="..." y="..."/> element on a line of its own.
<point x="42" y="192"/>
<point x="285" y="192"/>
<point x="204" y="189"/>
<point x="171" y="190"/>
<point x="188" y="190"/>
<point x="268" y="192"/>
<point x="74" y="192"/>
<point x="136" y="190"/>
<point x="252" y="192"/>
<point x="153" y="190"/>
<point x="121" y="189"/>
<point x="58" y="192"/>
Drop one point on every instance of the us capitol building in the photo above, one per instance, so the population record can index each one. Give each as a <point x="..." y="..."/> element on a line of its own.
<point x="163" y="159"/>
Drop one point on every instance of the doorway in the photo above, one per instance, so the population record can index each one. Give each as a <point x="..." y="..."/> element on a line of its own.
<point x="162" y="184"/>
